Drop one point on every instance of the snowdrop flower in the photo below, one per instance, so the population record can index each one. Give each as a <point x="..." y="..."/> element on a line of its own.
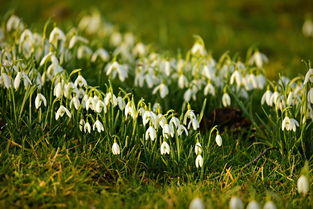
<point x="84" y="52"/>
<point x="235" y="203"/>
<point x="76" y="39"/>
<point x="267" y="98"/>
<point x="198" y="148"/>
<point x="274" y="98"/>
<point x="81" y="124"/>
<point x="75" y="101"/>
<point x="39" y="99"/>
<point x="236" y="77"/>
<point x="58" y="90"/>
<point x="261" y="81"/>
<point x="289" y="124"/>
<point x="253" y="205"/>
<point x="56" y="35"/>
<point x="182" y="129"/>
<point x="167" y="131"/>
<point x="115" y="68"/>
<point x="226" y="100"/>
<point x="87" y="127"/>
<point x="174" y="122"/>
<point x="151" y="133"/>
<point x="189" y="114"/>
<point x="139" y="49"/>
<point x="98" y="125"/>
<point x="100" y="105"/>
<point x="307" y="28"/>
<point x="182" y="81"/>
<point x="303" y="185"/>
<point x="130" y="110"/>
<point x="116" y="149"/>
<point x="310" y="96"/>
<point x="258" y="59"/>
<point x="196" y="203"/>
<point x="162" y="88"/>
<point x="195" y="124"/>
<point x="199" y="161"/>
<point x="102" y="53"/>
<point x="269" y="205"/>
<point x="80" y="81"/>
<point x="17" y="80"/>
<point x="218" y="140"/>
<point x="165" y="148"/>
<point x="60" y="112"/>
<point x="121" y="103"/>
<point x="209" y="88"/>
<point x="308" y="76"/>
<point x="198" y="49"/>
<point x="6" y="80"/>
<point x="14" y="23"/>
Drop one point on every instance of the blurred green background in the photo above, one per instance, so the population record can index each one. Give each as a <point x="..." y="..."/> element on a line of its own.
<point x="274" y="26"/>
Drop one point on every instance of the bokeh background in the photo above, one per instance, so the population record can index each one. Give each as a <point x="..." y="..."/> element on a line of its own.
<point x="274" y="26"/>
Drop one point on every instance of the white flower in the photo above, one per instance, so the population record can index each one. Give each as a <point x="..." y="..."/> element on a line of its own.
<point x="307" y="28"/>
<point x="61" y="112"/>
<point x="58" y="90"/>
<point x="258" y="59"/>
<point x="151" y="132"/>
<point x="226" y="100"/>
<point x="267" y="98"/>
<point x="269" y="205"/>
<point x="75" y="101"/>
<point x="182" y="81"/>
<point x="209" y="88"/>
<point x="274" y="98"/>
<point x="168" y="131"/>
<point x="182" y="129"/>
<point x="310" y="96"/>
<point x="236" y="77"/>
<point x="303" y="185"/>
<point x="14" y="23"/>
<point x="253" y="205"/>
<point x="289" y="124"/>
<point x="261" y="81"/>
<point x="80" y="81"/>
<point x="121" y="103"/>
<point x="308" y="76"/>
<point x="198" y="148"/>
<point x="56" y="35"/>
<point x="100" y="105"/>
<point x="199" y="161"/>
<point x="115" y="68"/>
<point x="81" y="124"/>
<point x="235" y="203"/>
<point x="218" y="140"/>
<point x="174" y="122"/>
<point x="116" y="149"/>
<point x="198" y="49"/>
<point x="102" y="53"/>
<point x="162" y="88"/>
<point x="76" y="39"/>
<point x="6" y="80"/>
<point x="39" y="99"/>
<point x="165" y="148"/>
<point x="17" y="80"/>
<point x="196" y="203"/>
<point x="84" y="52"/>
<point x="87" y="127"/>
<point x="98" y="125"/>
<point x="130" y="110"/>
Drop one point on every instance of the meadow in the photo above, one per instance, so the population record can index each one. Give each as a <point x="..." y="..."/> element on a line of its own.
<point x="101" y="114"/>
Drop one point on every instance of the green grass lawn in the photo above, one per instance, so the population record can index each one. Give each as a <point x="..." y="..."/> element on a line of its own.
<point x="47" y="162"/>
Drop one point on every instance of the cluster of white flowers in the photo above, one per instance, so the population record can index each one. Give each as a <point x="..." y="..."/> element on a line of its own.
<point x="290" y="95"/>
<point x="39" y="64"/>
